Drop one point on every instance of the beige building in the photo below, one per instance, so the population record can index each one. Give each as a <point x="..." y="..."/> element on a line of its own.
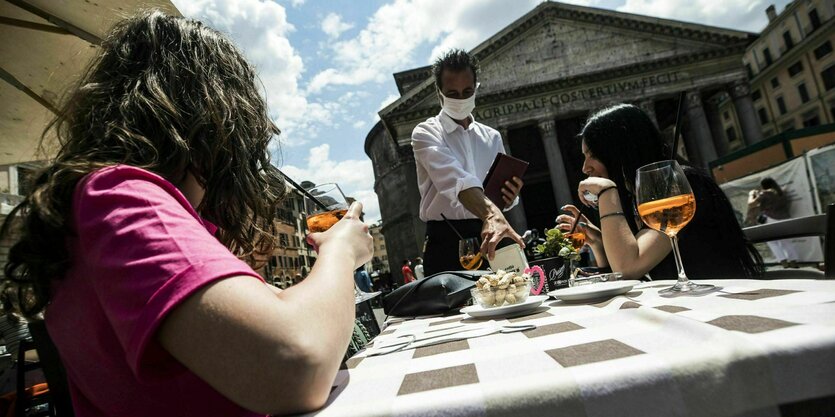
<point x="791" y="68"/>
<point x="292" y="258"/>
<point x="380" y="260"/>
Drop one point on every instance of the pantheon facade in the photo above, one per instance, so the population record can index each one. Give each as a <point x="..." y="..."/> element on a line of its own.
<point x="540" y="79"/>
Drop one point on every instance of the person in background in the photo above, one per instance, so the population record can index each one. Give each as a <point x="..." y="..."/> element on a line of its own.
<point x="453" y="153"/>
<point x="363" y="280"/>
<point x="138" y="241"/>
<point x="13" y="329"/>
<point x="616" y="142"/>
<point x="769" y="204"/>
<point x="419" y="268"/>
<point x="408" y="276"/>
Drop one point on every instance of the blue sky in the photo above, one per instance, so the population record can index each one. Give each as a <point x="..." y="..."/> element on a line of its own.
<point x="326" y="66"/>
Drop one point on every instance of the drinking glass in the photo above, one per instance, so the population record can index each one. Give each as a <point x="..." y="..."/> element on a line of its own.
<point x="330" y="195"/>
<point x="336" y="206"/>
<point x="666" y="203"/>
<point x="578" y="239"/>
<point x="469" y="253"/>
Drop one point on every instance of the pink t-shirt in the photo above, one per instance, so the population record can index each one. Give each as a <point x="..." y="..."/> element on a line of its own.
<point x="139" y="250"/>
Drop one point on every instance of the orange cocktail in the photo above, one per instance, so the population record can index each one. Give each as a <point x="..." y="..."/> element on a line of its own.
<point x="668" y="215"/>
<point x="321" y="222"/>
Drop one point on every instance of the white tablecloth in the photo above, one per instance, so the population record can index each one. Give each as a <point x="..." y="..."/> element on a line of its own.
<point x="746" y="350"/>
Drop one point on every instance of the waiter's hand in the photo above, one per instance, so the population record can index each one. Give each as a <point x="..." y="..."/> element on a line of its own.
<point x="494" y="226"/>
<point x="511" y="190"/>
<point x="493" y="229"/>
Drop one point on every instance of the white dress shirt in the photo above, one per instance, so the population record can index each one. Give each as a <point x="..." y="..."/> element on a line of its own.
<point x="451" y="159"/>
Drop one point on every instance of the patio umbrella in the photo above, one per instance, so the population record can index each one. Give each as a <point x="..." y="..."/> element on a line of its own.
<point x="44" y="47"/>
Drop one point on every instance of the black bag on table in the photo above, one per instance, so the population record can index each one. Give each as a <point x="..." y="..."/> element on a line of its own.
<point x="435" y="294"/>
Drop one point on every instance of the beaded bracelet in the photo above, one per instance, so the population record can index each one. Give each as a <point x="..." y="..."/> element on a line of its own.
<point x="617" y="213"/>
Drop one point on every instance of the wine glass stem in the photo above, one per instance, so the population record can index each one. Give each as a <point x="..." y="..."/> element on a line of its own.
<point x="682" y="277"/>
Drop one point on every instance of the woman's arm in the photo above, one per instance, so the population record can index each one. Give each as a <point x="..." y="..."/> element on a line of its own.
<point x="274" y="352"/>
<point x="631" y="255"/>
<point x="600" y="258"/>
<point x="754" y="210"/>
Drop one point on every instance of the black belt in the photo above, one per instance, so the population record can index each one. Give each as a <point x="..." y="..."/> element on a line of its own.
<point x="465" y="227"/>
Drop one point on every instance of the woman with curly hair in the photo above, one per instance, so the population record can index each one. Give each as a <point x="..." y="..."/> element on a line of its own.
<point x="138" y="238"/>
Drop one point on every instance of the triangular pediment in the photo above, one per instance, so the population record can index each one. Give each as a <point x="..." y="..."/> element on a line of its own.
<point x="557" y="41"/>
<point x="560" y="48"/>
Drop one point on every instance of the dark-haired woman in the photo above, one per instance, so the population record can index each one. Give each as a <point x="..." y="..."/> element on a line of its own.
<point x="616" y="142"/>
<point x="768" y="203"/>
<point x="135" y="238"/>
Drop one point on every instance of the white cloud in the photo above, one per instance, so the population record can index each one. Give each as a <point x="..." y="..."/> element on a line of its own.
<point x="260" y="29"/>
<point x="396" y="29"/>
<point x="294" y="3"/>
<point x="748" y="15"/>
<point x="355" y="177"/>
<point x="333" y="25"/>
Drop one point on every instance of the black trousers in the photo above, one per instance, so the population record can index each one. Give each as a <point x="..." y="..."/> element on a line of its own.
<point x="441" y="252"/>
<point x="441" y="245"/>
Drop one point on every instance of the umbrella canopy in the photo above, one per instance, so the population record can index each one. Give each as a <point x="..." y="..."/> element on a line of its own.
<point x="45" y="45"/>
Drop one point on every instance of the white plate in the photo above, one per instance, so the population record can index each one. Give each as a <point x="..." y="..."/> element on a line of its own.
<point x="531" y="303"/>
<point x="594" y="291"/>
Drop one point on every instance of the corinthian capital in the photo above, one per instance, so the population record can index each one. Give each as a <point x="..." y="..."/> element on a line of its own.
<point x="547" y="126"/>
<point x="740" y="88"/>
<point x="694" y="99"/>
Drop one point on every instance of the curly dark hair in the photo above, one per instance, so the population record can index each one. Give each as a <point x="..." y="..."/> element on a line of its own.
<point x="455" y="60"/>
<point x="169" y="95"/>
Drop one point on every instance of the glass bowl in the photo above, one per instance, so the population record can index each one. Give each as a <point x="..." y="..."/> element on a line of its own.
<point x="497" y="297"/>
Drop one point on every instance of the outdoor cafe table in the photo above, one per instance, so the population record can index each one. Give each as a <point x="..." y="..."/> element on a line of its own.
<point x="754" y="348"/>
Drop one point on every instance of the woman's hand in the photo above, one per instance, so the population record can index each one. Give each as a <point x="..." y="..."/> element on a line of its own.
<point x="566" y="221"/>
<point x="593" y="185"/>
<point x="349" y="235"/>
<point x="753" y="196"/>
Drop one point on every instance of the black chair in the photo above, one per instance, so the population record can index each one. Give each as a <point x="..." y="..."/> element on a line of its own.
<point x="53" y="369"/>
<point x="27" y="404"/>
<point x="817" y="225"/>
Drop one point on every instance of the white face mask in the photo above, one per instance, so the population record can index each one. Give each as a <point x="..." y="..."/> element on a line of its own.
<point x="458" y="109"/>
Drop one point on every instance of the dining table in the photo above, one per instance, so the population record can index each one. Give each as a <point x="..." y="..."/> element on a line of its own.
<point x="748" y="348"/>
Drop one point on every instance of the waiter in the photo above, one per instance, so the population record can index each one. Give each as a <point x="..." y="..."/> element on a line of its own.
<point x="453" y="153"/>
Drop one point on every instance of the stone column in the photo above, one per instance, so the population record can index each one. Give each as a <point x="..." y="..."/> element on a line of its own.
<point x="648" y="106"/>
<point x="505" y="139"/>
<point x="698" y="139"/>
<point x="556" y="165"/>
<point x="515" y="216"/>
<point x="751" y="129"/>
<point x="715" y="122"/>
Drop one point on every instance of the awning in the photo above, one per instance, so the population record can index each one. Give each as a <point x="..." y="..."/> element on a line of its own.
<point x="45" y="46"/>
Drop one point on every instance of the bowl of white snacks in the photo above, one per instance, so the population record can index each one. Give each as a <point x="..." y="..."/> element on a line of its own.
<point x="501" y="288"/>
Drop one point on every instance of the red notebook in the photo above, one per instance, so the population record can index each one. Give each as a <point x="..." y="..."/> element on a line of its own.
<point x="504" y="168"/>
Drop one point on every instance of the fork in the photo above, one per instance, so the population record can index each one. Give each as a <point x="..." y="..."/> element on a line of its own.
<point x="411" y="341"/>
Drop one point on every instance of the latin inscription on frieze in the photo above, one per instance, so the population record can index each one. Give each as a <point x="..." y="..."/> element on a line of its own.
<point x="598" y="93"/>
